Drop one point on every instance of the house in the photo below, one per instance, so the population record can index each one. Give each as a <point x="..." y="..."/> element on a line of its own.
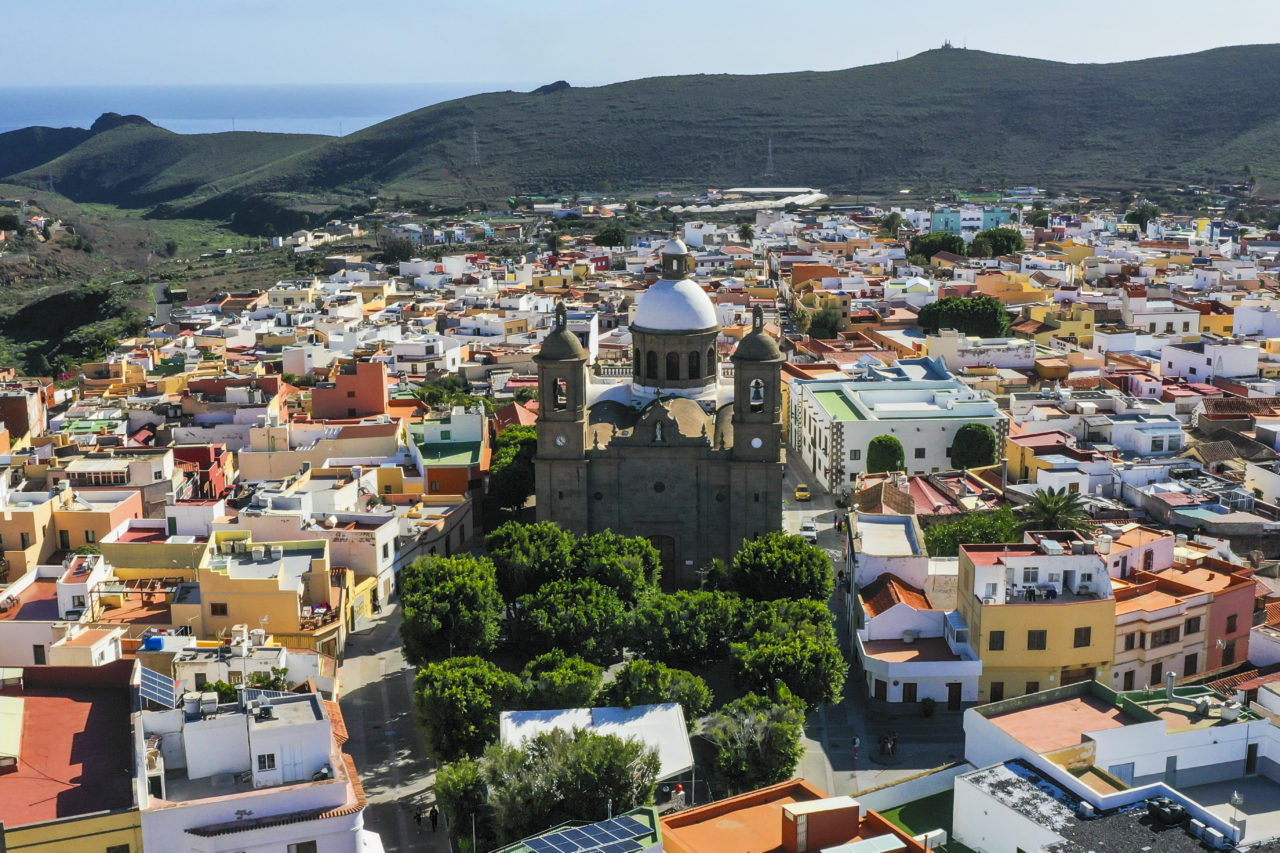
<point x="1162" y="626"/>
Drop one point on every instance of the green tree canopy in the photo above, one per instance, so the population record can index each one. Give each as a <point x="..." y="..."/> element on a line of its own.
<point x="929" y="245"/>
<point x="561" y="776"/>
<point x="983" y="316"/>
<point x="643" y="682"/>
<point x="980" y="247"/>
<point x="451" y="607"/>
<point x="687" y="627"/>
<point x="398" y="249"/>
<point x="630" y="566"/>
<point x="458" y="701"/>
<point x="581" y="615"/>
<point x="975" y="446"/>
<point x="778" y="565"/>
<point x="1056" y="509"/>
<point x="460" y="793"/>
<point x="1039" y="219"/>
<point x="556" y="680"/>
<point x="891" y="223"/>
<point x="826" y="324"/>
<point x="999" y="241"/>
<point x="1141" y="215"/>
<point x="511" y="468"/>
<point x="885" y="453"/>
<point x="977" y="528"/>
<point x="758" y="740"/>
<point x="526" y="556"/>
<point x="811" y="667"/>
<point x="612" y="234"/>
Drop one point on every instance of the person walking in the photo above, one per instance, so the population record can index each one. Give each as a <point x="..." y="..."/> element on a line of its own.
<point x="857" y="745"/>
<point x="435" y="818"/>
<point x="417" y="818"/>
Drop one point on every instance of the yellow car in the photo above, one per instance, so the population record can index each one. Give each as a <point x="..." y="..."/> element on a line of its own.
<point x="802" y="492"/>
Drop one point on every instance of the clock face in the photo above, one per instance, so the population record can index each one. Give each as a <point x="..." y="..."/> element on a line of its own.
<point x="756" y="443"/>
<point x="560" y="441"/>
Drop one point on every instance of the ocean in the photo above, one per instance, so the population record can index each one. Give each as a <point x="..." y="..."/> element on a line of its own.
<point x="330" y="110"/>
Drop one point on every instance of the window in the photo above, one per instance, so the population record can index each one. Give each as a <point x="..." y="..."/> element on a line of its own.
<point x="1192" y="626"/>
<point x="386" y="550"/>
<point x="351" y="413"/>
<point x="446" y="435"/>
<point x="919" y="452"/>
<point x="1191" y="664"/>
<point x="201" y="680"/>
<point x="303" y="847"/>
<point x="435" y="485"/>
<point x="997" y="691"/>
<point x="90" y="537"/>
<point x="1033" y="687"/>
<point x="651" y="365"/>
<point x="1031" y="575"/>
<point x="755" y="398"/>
<point x="217" y="608"/>
<point x="1229" y="653"/>
<point x="1084" y="637"/>
<point x="26" y="541"/>
<point x="855" y="455"/>
<point x="1086" y="577"/>
<point x="1186" y="327"/>
<point x="695" y="367"/>
<point x="1232" y="623"/>
<point x="266" y="761"/>
<point x="991" y="590"/>
<point x="351" y="394"/>
<point x="1037" y="640"/>
<point x="1157" y="673"/>
<point x="1166" y="637"/>
<point x="561" y="401"/>
<point x="1130" y="641"/>
<point x="673" y="365"/>
<point x="995" y="641"/>
<point x="1157" y="443"/>
<point x="118" y="848"/>
<point x="77" y="601"/>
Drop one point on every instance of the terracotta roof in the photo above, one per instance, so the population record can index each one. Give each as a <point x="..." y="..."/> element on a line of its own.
<point x="889" y="590"/>
<point x="884" y="496"/>
<point x="1240" y="405"/>
<point x="338" y="722"/>
<point x="1215" y="451"/>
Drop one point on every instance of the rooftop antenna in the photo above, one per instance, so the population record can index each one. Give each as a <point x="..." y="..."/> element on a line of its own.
<point x="768" y="169"/>
<point x="475" y="146"/>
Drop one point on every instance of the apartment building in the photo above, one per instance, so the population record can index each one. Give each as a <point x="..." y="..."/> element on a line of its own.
<point x="1162" y="626"/>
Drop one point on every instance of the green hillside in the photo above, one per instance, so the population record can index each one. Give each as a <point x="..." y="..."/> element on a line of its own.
<point x="943" y="118"/>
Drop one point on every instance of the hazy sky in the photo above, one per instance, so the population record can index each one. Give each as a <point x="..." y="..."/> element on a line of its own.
<point x="127" y="42"/>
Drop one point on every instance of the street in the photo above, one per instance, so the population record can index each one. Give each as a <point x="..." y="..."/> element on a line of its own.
<point x="377" y="704"/>
<point x="829" y="732"/>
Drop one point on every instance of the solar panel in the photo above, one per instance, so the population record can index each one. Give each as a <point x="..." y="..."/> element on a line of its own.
<point x="632" y="827"/>
<point x="158" y="688"/>
<point x="578" y="836"/>
<point x="615" y="829"/>
<point x="541" y="845"/>
<point x="598" y="834"/>
<point x="562" y="844"/>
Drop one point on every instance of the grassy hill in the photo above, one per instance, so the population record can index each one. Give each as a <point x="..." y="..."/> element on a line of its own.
<point x="943" y="118"/>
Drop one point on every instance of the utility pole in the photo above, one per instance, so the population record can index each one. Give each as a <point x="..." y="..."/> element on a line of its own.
<point x="768" y="169"/>
<point x="475" y="146"/>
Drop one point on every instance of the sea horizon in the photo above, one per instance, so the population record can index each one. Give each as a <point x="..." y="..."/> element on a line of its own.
<point x="322" y="109"/>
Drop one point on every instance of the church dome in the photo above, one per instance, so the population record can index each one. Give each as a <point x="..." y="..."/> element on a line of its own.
<point x="757" y="346"/>
<point x="675" y="246"/>
<point x="675" y="306"/>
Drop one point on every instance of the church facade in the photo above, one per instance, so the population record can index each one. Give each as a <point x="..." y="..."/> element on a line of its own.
<point x="681" y="454"/>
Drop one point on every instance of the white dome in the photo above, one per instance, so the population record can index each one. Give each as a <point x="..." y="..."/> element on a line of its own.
<point x="674" y="246"/>
<point x="675" y="306"/>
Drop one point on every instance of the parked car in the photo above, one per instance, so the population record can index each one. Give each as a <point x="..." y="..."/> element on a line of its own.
<point x="809" y="531"/>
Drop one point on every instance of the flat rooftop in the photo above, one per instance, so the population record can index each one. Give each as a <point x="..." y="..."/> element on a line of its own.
<point x="37" y="603"/>
<point x="1055" y="725"/>
<point x="75" y="750"/>
<point x="138" y="608"/>
<point x="886" y="536"/>
<point x="927" y="650"/>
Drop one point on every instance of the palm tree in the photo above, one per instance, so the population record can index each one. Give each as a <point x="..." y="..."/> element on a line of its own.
<point x="1056" y="509"/>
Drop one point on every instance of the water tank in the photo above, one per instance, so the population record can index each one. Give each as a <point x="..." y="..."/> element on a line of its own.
<point x="259" y="553"/>
<point x="153" y="644"/>
<point x="191" y="704"/>
<point x="1104" y="543"/>
<point x="208" y="703"/>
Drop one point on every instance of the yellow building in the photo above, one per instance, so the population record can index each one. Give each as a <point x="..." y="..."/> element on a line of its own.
<point x="1011" y="288"/>
<point x="1039" y="615"/>
<point x="1076" y="322"/>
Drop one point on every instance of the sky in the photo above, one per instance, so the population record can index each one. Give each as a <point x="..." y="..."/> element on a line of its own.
<point x="523" y="42"/>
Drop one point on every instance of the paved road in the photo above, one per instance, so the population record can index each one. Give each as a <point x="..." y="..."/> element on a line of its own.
<point x="829" y="732"/>
<point x="385" y="743"/>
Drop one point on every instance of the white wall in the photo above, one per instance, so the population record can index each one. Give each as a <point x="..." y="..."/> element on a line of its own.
<point x="986" y="824"/>
<point x="217" y="745"/>
<point x="913" y="789"/>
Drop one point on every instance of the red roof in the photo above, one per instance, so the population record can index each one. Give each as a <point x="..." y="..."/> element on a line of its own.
<point x="889" y="590"/>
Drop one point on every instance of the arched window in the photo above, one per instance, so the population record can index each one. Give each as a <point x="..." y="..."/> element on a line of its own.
<point x="756" y="397"/>
<point x="651" y="364"/>
<point x="562" y="395"/>
<point x="636" y="364"/>
<point x="673" y="365"/>
<point x="695" y="369"/>
<point x="711" y="361"/>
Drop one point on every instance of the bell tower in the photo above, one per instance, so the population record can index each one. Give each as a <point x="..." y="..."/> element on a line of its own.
<point x="757" y="395"/>
<point x="562" y="392"/>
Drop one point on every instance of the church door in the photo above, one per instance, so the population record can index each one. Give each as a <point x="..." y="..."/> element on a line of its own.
<point x="666" y="546"/>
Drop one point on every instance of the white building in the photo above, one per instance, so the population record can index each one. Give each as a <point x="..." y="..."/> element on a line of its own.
<point x="962" y="351"/>
<point x="1208" y="359"/>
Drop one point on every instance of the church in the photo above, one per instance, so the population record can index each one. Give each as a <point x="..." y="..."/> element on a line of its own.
<point x="687" y="452"/>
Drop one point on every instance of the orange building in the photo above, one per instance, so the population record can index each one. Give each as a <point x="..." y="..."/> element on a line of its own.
<point x="358" y="391"/>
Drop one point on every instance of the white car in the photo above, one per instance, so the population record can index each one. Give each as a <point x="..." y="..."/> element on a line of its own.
<point x="809" y="530"/>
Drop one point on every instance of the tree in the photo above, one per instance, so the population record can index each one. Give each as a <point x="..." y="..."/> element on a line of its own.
<point x="511" y="467"/>
<point x="983" y="316"/>
<point x="891" y="224"/>
<point x="758" y="740"/>
<point x="458" y="701"/>
<point x="778" y="565"/>
<point x="398" y="249"/>
<point x="746" y="232"/>
<point x="643" y="682"/>
<point x="612" y="234"/>
<point x="226" y="692"/>
<point x="999" y="241"/>
<point x="556" y="680"/>
<point x="561" y="776"/>
<point x="1056" y="509"/>
<point x="984" y="528"/>
<point x="801" y="318"/>
<point x="526" y="556"/>
<point x="277" y="679"/>
<point x="885" y="453"/>
<point x="980" y="248"/>
<point x="581" y="615"/>
<point x="630" y="566"/>
<point x="975" y="446"/>
<point x="811" y="667"/>
<point x="826" y="324"/>
<point x="460" y="793"/>
<point x="1039" y="219"/>
<point x="687" y="627"/>
<point x="451" y="607"/>
<point x="929" y="245"/>
<point x="524" y="395"/>
<point x="1141" y="215"/>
